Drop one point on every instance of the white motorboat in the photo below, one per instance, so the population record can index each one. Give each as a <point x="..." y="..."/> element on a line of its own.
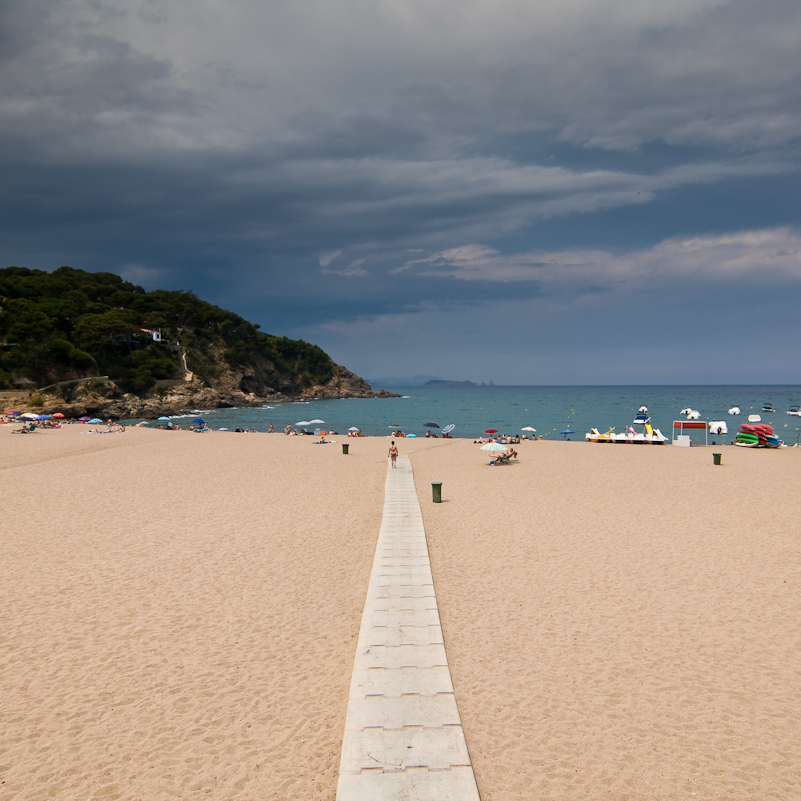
<point x="734" y="410"/>
<point x="795" y="411"/>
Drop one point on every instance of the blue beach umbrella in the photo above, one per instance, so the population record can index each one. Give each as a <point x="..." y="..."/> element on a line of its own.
<point x="199" y="420"/>
<point x="95" y="420"/>
<point x="448" y="428"/>
<point x="163" y="418"/>
<point x="430" y="425"/>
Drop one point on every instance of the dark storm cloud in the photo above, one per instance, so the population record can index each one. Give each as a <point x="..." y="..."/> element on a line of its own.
<point x="376" y="167"/>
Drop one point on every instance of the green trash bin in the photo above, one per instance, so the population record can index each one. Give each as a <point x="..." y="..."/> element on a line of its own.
<point x="716" y="458"/>
<point x="436" y="489"/>
<point x="345" y="446"/>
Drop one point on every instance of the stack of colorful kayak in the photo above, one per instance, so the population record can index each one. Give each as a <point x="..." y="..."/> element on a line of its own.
<point x="759" y="435"/>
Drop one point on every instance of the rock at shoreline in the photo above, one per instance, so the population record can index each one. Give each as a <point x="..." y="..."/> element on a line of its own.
<point x="104" y="399"/>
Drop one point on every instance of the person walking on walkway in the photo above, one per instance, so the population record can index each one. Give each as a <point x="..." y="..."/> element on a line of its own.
<point x="393" y="453"/>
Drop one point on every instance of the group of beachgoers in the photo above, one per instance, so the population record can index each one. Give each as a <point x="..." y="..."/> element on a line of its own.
<point x="504" y="440"/>
<point x="30" y="425"/>
<point x="117" y="429"/>
<point x="196" y="429"/>
<point x="292" y="432"/>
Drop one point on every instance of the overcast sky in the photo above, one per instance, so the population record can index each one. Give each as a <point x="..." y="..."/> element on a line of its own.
<point x="528" y="191"/>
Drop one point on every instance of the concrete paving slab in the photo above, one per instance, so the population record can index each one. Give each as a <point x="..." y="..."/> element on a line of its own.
<point x="406" y="591"/>
<point x="422" y="656"/>
<point x="377" y="711"/>
<point x="395" y="750"/>
<point x="407" y="617"/>
<point x="414" y="784"/>
<point x="404" y="581"/>
<point x="423" y="571"/>
<point x="404" y="635"/>
<point x="394" y="682"/>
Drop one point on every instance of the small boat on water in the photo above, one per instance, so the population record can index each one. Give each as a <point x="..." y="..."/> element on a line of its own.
<point x="795" y="411"/>
<point x="754" y="418"/>
<point x="734" y="410"/>
<point x="767" y="407"/>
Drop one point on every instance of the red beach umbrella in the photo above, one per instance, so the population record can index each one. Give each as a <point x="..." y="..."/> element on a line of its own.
<point x="491" y="431"/>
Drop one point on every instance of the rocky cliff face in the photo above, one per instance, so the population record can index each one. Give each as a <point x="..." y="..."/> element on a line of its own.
<point x="241" y="387"/>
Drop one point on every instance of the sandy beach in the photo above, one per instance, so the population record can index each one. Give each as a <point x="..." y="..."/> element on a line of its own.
<point x="180" y="612"/>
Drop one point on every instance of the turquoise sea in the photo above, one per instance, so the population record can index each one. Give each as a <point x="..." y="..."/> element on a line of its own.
<point x="549" y="409"/>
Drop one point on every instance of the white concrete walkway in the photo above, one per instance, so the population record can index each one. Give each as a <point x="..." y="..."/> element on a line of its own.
<point x="403" y="736"/>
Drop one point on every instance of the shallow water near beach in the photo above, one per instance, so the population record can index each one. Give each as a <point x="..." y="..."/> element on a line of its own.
<point x="550" y="410"/>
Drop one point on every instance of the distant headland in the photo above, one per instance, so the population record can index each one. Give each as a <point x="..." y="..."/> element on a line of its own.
<point x="440" y="382"/>
<point x="424" y="381"/>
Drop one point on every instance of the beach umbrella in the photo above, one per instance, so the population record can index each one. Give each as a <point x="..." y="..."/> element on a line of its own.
<point x="163" y="418"/>
<point x="528" y="428"/>
<point x="44" y="416"/>
<point x="448" y="428"/>
<point x="58" y="414"/>
<point x="222" y="429"/>
<point x="493" y="447"/>
<point x="409" y="436"/>
<point x="84" y="419"/>
<point x="8" y="411"/>
<point x="31" y="415"/>
<point x="491" y="431"/>
<point x="199" y="420"/>
<point x="567" y="431"/>
<point x="17" y="414"/>
<point x="303" y="423"/>
<point x="353" y="428"/>
<point x="430" y="425"/>
<point x="316" y="420"/>
<point x="95" y="420"/>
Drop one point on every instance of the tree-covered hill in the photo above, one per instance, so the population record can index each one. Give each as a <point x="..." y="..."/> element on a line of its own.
<point x="69" y="324"/>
